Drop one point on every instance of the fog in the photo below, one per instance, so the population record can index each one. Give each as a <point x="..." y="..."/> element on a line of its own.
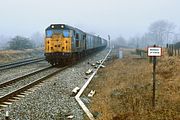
<point x="114" y="17"/>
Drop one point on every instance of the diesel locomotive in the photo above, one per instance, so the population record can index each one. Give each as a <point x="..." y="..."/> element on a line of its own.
<point x="65" y="44"/>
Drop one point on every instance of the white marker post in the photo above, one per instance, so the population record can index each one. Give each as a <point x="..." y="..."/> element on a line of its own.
<point x="7" y="115"/>
<point x="154" y="52"/>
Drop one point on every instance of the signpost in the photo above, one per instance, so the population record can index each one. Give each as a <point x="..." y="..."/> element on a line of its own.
<point x="109" y="41"/>
<point x="154" y="52"/>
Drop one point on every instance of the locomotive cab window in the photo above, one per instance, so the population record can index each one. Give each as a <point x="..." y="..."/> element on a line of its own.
<point x="77" y="36"/>
<point x="49" y="33"/>
<point x="66" y="33"/>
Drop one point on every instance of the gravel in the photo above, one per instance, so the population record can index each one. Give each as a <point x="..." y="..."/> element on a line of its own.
<point x="52" y="100"/>
<point x="25" y="81"/>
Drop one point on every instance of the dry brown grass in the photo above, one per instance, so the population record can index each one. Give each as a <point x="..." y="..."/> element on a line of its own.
<point x="124" y="90"/>
<point x="13" y="55"/>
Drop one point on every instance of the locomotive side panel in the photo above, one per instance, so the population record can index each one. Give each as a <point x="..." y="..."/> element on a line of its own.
<point x="89" y="41"/>
<point x="78" y="41"/>
<point x="104" y="42"/>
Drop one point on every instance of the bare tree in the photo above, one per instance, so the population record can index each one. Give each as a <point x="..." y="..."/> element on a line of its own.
<point x="160" y="33"/>
<point x="132" y="42"/>
<point x="20" y="43"/>
<point x="161" y="30"/>
<point x="137" y="42"/>
<point x="38" y="39"/>
<point x="119" y="42"/>
<point x="4" y="42"/>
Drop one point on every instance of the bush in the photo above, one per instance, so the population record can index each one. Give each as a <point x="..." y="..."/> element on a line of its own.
<point x="20" y="43"/>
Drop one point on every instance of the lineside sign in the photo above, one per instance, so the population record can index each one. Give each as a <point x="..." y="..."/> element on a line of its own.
<point x="154" y="51"/>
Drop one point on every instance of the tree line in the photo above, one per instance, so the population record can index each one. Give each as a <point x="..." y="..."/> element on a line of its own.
<point x="21" y="42"/>
<point x="160" y="32"/>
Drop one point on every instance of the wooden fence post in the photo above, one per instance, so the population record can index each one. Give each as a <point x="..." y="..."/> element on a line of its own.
<point x="172" y="50"/>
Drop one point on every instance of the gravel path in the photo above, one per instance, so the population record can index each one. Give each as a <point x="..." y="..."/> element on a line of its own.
<point x="52" y="101"/>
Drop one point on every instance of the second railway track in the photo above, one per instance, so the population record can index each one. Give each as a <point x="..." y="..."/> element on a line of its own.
<point x="20" y="63"/>
<point x="17" y="86"/>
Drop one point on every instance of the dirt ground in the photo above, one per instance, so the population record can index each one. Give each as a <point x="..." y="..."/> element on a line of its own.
<point x="124" y="90"/>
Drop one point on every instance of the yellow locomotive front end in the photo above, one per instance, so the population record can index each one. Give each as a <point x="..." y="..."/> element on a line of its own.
<point x="58" y="43"/>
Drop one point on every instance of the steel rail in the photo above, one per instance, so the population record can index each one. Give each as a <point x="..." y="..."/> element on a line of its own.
<point x="20" y="63"/>
<point x="16" y="62"/>
<point x="8" y="82"/>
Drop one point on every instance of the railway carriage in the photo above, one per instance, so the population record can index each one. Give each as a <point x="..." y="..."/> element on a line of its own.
<point x="64" y="44"/>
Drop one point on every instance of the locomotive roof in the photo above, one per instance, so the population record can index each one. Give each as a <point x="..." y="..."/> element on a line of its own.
<point x="67" y="27"/>
<point x="62" y="26"/>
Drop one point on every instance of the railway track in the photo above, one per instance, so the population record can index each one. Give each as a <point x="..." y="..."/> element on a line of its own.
<point x="11" y="81"/>
<point x="20" y="63"/>
<point x="48" y="92"/>
<point x="15" y="94"/>
<point x="9" y="92"/>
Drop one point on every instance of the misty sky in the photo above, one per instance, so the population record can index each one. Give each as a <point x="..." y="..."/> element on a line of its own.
<point x="115" y="17"/>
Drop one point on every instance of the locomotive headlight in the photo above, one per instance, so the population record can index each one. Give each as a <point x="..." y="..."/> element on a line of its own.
<point x="62" y="26"/>
<point x="52" y="26"/>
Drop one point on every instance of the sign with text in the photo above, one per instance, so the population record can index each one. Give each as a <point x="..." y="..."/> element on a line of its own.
<point x="154" y="51"/>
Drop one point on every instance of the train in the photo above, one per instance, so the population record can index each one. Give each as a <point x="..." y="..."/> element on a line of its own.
<point x="65" y="44"/>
